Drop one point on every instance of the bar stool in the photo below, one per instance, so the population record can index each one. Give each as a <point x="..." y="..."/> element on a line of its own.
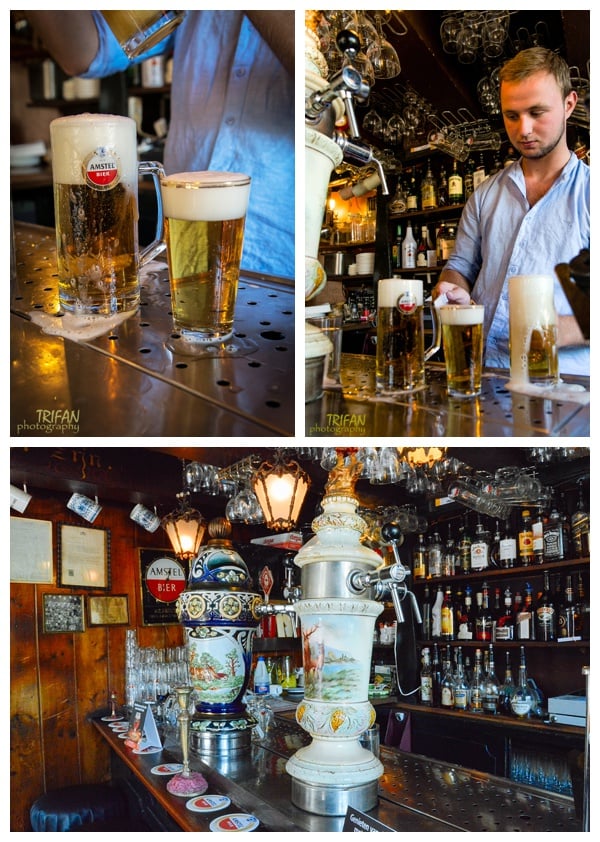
<point x="72" y="807"/>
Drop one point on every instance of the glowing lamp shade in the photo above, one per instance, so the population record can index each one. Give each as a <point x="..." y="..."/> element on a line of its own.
<point x="280" y="488"/>
<point x="185" y="529"/>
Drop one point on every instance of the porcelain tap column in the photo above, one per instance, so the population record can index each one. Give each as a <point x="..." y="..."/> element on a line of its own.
<point x="334" y="771"/>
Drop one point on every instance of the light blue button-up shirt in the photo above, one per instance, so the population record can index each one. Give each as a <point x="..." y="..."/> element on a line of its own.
<point x="232" y="109"/>
<point x="500" y="235"/>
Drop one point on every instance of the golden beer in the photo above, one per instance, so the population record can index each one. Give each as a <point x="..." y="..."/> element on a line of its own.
<point x="401" y="354"/>
<point x="462" y="339"/>
<point x="95" y="172"/>
<point x="533" y="330"/>
<point x="204" y="232"/>
<point x="137" y="31"/>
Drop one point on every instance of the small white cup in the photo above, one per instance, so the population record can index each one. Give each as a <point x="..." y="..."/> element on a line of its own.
<point x="145" y="518"/>
<point x="84" y="507"/>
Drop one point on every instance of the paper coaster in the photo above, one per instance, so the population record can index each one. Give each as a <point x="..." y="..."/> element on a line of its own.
<point x="234" y="821"/>
<point x="148" y="750"/>
<point x="208" y="803"/>
<point x="119" y="729"/>
<point x="112" y="718"/>
<point x="167" y="768"/>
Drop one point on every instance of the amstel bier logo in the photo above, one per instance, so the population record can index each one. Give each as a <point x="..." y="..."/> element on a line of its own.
<point x="102" y="169"/>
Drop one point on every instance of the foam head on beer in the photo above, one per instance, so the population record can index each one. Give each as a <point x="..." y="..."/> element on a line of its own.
<point x="207" y="196"/>
<point x="461" y="315"/>
<point x="78" y="138"/>
<point x="399" y="292"/>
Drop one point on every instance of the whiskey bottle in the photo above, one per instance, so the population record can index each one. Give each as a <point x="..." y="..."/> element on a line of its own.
<point x="537" y="533"/>
<point x="508" y="548"/>
<point x="419" y="559"/>
<point x="442" y="197"/>
<point x="464" y="548"/>
<point x="426" y="679"/>
<point x="449" y="556"/>
<point x="567" y="611"/>
<point x="545" y="613"/>
<point x="524" y="620"/>
<point x="525" y="540"/>
<point x="455" y="186"/>
<point x="428" y="189"/>
<point x="580" y="528"/>
<point x="554" y="549"/>
<point x="448" y="632"/>
<point x="480" y="548"/>
<point x="505" y="624"/>
<point x="434" y="556"/>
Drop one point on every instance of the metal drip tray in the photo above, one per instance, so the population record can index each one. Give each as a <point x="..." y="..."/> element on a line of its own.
<point x="127" y="381"/>
<point x="472" y="801"/>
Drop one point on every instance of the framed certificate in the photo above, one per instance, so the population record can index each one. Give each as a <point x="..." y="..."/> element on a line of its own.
<point x="84" y="557"/>
<point x="31" y="550"/>
<point x="110" y="610"/>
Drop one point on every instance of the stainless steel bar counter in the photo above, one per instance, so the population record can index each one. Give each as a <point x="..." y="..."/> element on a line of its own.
<point x="126" y="382"/>
<point x="415" y="793"/>
<point x="431" y="412"/>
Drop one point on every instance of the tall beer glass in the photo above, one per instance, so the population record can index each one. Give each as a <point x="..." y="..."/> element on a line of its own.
<point x="533" y="329"/>
<point x="137" y="31"/>
<point x="95" y="175"/>
<point x="204" y="230"/>
<point x="462" y="339"/>
<point x="401" y="354"/>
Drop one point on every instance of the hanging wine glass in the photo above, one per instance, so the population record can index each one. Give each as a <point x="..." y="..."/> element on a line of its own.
<point x="396" y="128"/>
<point x="372" y="122"/>
<point x="386" y="64"/>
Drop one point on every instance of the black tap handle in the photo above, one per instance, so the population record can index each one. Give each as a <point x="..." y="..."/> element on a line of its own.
<point x="391" y="532"/>
<point x="348" y="42"/>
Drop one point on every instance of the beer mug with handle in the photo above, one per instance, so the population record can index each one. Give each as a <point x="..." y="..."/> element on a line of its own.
<point x="401" y="353"/>
<point x="95" y="173"/>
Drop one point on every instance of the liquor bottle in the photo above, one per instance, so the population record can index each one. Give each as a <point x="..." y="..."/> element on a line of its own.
<point x="489" y="700"/>
<point x="480" y="548"/>
<point x="505" y="624"/>
<point x="428" y="189"/>
<point x="580" y="528"/>
<point x="464" y="548"/>
<point x="447" y="683"/>
<point x="426" y="614"/>
<point x="537" y="538"/>
<point x="436" y="614"/>
<point x="409" y="249"/>
<point x="448" y="618"/>
<point x="484" y="623"/>
<point x="442" y="193"/>
<point x="522" y="699"/>
<point x="419" y="559"/>
<point x="545" y="613"/>
<point x="436" y="673"/>
<point x="435" y="554"/>
<point x="495" y="547"/>
<point x="506" y="689"/>
<point x="567" y="611"/>
<point x="426" y="679"/>
<point x="422" y="248"/>
<point x="468" y="179"/>
<point x="565" y="521"/>
<point x="465" y="627"/>
<point x="431" y="251"/>
<point x="525" y="540"/>
<point x="412" y="197"/>
<point x="554" y="549"/>
<point x="476" y="686"/>
<point x="449" y="555"/>
<point x="397" y="249"/>
<point x="582" y="617"/>
<point x="497" y="612"/>
<point x="524" y="620"/>
<point x="455" y="186"/>
<point x="508" y="548"/>
<point x="480" y="175"/>
<point x="461" y="685"/>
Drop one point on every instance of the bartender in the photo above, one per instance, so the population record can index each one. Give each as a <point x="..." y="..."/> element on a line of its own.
<point x="232" y="106"/>
<point x="529" y="217"/>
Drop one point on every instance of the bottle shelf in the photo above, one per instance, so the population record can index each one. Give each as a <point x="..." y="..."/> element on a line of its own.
<point x="502" y="572"/>
<point x="429" y="213"/>
<point x="508" y="644"/>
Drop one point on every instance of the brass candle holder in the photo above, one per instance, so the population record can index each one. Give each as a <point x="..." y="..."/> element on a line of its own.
<point x="186" y="783"/>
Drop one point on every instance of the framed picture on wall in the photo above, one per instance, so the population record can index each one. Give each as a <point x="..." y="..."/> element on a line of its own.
<point x="110" y="610"/>
<point x="83" y="557"/>
<point x="63" y="613"/>
<point x="31" y="550"/>
<point x="163" y="577"/>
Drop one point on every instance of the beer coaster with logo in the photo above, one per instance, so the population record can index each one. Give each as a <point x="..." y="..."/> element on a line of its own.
<point x="167" y="768"/>
<point x="234" y="822"/>
<point x="208" y="803"/>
